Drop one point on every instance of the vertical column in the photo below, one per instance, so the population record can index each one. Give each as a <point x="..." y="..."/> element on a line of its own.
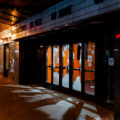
<point x="100" y="80"/>
<point x="60" y="59"/>
<point x="16" y="64"/>
<point x="1" y="60"/>
<point x="117" y="80"/>
<point x="52" y="66"/>
<point x="4" y="60"/>
<point x="71" y="67"/>
<point x="83" y="74"/>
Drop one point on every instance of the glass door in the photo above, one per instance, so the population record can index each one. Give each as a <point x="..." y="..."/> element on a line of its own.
<point x="56" y="65"/>
<point x="89" y="68"/>
<point x="77" y="66"/>
<point x="83" y="79"/>
<point x="49" y="65"/>
<point x="80" y="76"/>
<point x="65" y="66"/>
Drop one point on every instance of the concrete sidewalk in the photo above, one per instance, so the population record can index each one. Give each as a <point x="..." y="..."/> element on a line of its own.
<point x="19" y="102"/>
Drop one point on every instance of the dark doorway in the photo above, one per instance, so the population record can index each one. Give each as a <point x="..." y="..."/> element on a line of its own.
<point x="6" y="60"/>
<point x="41" y="65"/>
<point x="27" y="63"/>
<point x="32" y="63"/>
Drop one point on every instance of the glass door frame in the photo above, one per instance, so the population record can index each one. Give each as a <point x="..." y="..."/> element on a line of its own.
<point x="83" y="68"/>
<point x="49" y="66"/>
<point x="71" y="50"/>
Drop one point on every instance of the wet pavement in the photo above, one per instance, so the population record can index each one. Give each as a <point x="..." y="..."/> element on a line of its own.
<point x="19" y="102"/>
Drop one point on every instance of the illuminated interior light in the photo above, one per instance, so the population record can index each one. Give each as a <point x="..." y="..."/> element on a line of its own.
<point x="1" y="41"/>
<point x="41" y="46"/>
<point x="16" y="51"/>
<point x="116" y="50"/>
<point x="13" y="36"/>
<point x="9" y="34"/>
<point x="13" y="28"/>
<point x="14" y="12"/>
<point x="117" y="36"/>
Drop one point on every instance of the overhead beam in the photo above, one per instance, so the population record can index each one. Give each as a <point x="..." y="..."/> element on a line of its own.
<point x="6" y="13"/>
<point x="6" y="7"/>
<point x="7" y="19"/>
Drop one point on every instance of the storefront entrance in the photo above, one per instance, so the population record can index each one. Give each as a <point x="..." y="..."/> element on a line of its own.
<point x="72" y="66"/>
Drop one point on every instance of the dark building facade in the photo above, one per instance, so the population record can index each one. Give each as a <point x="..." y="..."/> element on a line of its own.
<point x="72" y="46"/>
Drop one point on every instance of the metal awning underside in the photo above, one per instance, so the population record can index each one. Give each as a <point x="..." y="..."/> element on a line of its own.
<point x="14" y="11"/>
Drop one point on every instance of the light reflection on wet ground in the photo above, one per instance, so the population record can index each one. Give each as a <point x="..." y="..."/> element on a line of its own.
<point x="19" y="102"/>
